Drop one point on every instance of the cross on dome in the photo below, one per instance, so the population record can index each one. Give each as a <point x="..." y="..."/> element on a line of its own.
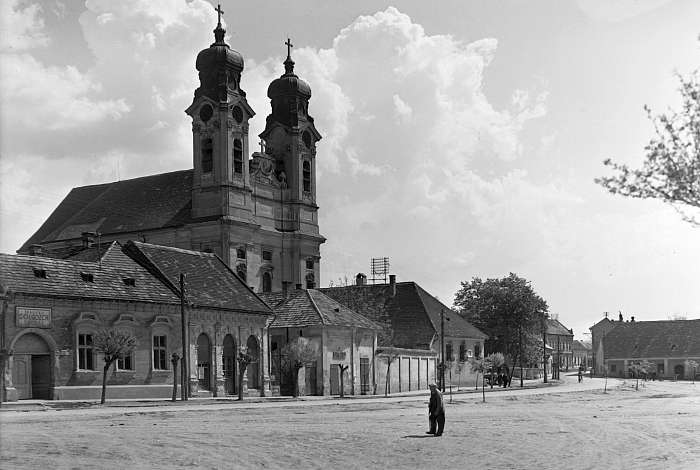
<point x="289" y="48"/>
<point x="220" y="12"/>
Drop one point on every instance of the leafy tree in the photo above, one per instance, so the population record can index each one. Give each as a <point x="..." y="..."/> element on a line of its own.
<point x="671" y="169"/>
<point x="113" y="344"/>
<point x="297" y="353"/>
<point x="641" y="369"/>
<point x="481" y="366"/>
<point x="691" y="366"/>
<point x="508" y="310"/>
<point x="243" y="359"/>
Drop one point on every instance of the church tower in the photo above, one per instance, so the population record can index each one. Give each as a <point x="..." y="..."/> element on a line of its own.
<point x="290" y="141"/>
<point x="220" y="115"/>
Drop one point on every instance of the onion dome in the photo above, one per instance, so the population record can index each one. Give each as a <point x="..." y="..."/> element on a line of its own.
<point x="289" y="83"/>
<point x="219" y="67"/>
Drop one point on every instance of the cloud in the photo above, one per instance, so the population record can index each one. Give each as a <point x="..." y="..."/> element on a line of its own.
<point x="21" y="27"/>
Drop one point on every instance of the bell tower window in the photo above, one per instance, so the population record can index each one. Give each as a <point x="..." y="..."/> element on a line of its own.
<point x="237" y="157"/>
<point x="242" y="271"/>
<point x="310" y="281"/>
<point x="307" y="176"/>
<point x="207" y="155"/>
<point x="267" y="282"/>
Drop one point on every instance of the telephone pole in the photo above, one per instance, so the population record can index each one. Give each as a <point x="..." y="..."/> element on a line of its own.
<point x="442" y="349"/>
<point x="184" y="320"/>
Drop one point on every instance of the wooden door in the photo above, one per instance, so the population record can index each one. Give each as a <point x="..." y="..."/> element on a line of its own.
<point x="22" y="375"/>
<point x="364" y="376"/>
<point x="41" y="376"/>
<point x="310" y="373"/>
<point x="335" y="379"/>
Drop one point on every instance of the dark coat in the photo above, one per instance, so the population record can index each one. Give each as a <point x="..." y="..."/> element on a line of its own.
<point x="436" y="406"/>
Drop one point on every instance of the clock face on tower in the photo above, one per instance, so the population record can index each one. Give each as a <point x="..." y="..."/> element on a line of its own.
<point x="237" y="114"/>
<point x="205" y="113"/>
<point x="306" y="138"/>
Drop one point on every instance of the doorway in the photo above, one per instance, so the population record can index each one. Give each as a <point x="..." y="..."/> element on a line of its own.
<point x="253" y="367"/>
<point x="31" y="368"/>
<point x="335" y="379"/>
<point x="310" y="378"/>
<point x="203" y="362"/>
<point x="229" y="365"/>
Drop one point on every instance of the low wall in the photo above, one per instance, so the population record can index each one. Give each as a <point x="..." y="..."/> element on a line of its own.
<point x="94" y="392"/>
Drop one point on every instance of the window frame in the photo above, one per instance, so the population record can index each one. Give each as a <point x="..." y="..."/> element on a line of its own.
<point x="160" y="348"/>
<point x="237" y="157"/>
<point x="91" y="347"/>
<point x="306" y="176"/>
<point x="207" y="150"/>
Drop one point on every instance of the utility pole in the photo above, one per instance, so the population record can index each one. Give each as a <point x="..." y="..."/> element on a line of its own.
<point x="442" y="349"/>
<point x="520" y="353"/>
<point x="184" y="320"/>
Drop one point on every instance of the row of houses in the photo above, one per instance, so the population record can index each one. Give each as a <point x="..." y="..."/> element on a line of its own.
<point x="381" y="337"/>
<point x="671" y="345"/>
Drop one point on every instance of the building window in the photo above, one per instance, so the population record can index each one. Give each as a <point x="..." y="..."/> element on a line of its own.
<point x="307" y="176"/>
<point x="87" y="277"/>
<point x="242" y="272"/>
<point x="240" y="253"/>
<point x="267" y="255"/>
<point x="613" y="368"/>
<point x="477" y="351"/>
<point x="126" y="362"/>
<point x="310" y="263"/>
<point x="237" y="157"/>
<point x="462" y="352"/>
<point x="86" y="352"/>
<point x="448" y="352"/>
<point x="207" y="155"/>
<point x="267" y="282"/>
<point x="160" y="352"/>
<point x="310" y="281"/>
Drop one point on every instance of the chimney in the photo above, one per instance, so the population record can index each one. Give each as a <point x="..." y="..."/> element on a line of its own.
<point x="285" y="289"/>
<point x="392" y="284"/>
<point x="36" y="250"/>
<point x="360" y="279"/>
<point x="88" y="239"/>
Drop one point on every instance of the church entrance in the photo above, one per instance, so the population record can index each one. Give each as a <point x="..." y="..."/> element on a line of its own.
<point x="229" y="365"/>
<point x="204" y="362"/>
<point x="253" y="367"/>
<point x="31" y="368"/>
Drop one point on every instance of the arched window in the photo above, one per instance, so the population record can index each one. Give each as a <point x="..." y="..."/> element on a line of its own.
<point x="237" y="157"/>
<point x="267" y="282"/>
<point x="242" y="272"/>
<point x="310" y="281"/>
<point x="207" y="155"/>
<point x="307" y="176"/>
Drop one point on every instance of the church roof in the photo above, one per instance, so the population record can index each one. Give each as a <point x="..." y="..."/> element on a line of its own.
<point x="310" y="307"/>
<point x="209" y="282"/>
<point x="133" y="205"/>
<point x="411" y="317"/>
<point x="69" y="278"/>
<point x="653" y="339"/>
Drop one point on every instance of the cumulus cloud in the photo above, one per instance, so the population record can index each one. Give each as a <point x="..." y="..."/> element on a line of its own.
<point x="21" y="26"/>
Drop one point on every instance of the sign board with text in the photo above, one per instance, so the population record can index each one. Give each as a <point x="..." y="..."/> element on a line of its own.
<point x="33" y="317"/>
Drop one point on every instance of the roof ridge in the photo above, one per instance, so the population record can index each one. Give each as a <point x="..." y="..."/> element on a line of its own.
<point x="313" y="303"/>
<point x="179" y="250"/>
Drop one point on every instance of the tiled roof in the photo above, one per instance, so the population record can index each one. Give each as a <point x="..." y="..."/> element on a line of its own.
<point x="64" y="278"/>
<point x="580" y="345"/>
<point x="138" y="204"/>
<point x="209" y="282"/>
<point x="310" y="307"/>
<point x="555" y="327"/>
<point x="411" y="317"/>
<point x="669" y="338"/>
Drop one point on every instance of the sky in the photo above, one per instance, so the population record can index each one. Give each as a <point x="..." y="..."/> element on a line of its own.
<point x="460" y="138"/>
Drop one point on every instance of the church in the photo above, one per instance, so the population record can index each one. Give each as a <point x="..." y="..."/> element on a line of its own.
<point x="257" y="213"/>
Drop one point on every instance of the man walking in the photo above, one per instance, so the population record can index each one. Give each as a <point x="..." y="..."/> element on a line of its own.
<point x="436" y="411"/>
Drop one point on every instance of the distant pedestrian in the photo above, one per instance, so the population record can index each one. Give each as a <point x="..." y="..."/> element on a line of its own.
<point x="580" y="374"/>
<point x="436" y="411"/>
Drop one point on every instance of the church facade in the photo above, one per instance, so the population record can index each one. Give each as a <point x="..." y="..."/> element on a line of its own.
<point x="256" y="211"/>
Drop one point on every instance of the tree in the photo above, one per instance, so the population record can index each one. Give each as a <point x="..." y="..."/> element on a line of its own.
<point x="691" y="366"/>
<point x="459" y="368"/>
<point x="641" y="368"/>
<point x="508" y="310"/>
<point x="243" y="359"/>
<point x="671" y="169"/>
<point x="113" y="345"/>
<point x="297" y="353"/>
<point x="481" y="366"/>
<point x="341" y="369"/>
<point x="391" y="357"/>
